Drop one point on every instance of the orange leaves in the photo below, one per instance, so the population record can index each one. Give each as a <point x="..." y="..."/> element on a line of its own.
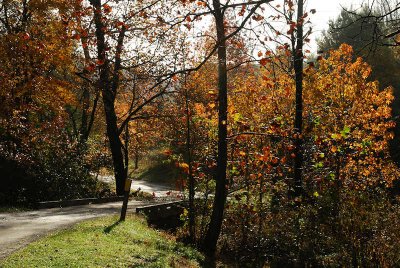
<point x="143" y="14"/>
<point x="269" y="83"/>
<point x="264" y="61"/>
<point x="366" y="73"/>
<point x="349" y="115"/>
<point x="242" y="153"/>
<point x="201" y="4"/>
<point x="184" y="167"/>
<point x="199" y="109"/>
<point x="397" y="39"/>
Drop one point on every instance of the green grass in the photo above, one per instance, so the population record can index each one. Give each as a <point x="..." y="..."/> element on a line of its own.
<point x="159" y="173"/>
<point x="104" y="242"/>
<point x="155" y="167"/>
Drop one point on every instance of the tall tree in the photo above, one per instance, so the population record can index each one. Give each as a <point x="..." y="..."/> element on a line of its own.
<point x="219" y="11"/>
<point x="298" y="59"/>
<point x="104" y="29"/>
<point x="109" y="83"/>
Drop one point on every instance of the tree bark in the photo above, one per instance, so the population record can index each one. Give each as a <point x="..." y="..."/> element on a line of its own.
<point x="298" y="124"/>
<point x="108" y="90"/>
<point x="192" y="217"/>
<point x="214" y="229"/>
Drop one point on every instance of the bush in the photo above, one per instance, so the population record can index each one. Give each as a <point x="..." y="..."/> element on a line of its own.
<point x="54" y="171"/>
<point x="358" y="229"/>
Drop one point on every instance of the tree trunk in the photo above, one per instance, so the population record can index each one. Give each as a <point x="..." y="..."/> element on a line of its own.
<point x="298" y="124"/>
<point x="109" y="91"/>
<point x="214" y="228"/>
<point x="192" y="218"/>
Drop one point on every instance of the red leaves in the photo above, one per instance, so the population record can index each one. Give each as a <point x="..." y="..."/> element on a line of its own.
<point x="289" y="3"/>
<point x="293" y="26"/>
<point x="26" y="36"/>
<point x="167" y="152"/>
<point x="99" y="62"/>
<point x="257" y="17"/>
<point x="241" y="13"/>
<point x="91" y="67"/>
<point x="264" y="61"/>
<point x="120" y="24"/>
<point x="76" y="36"/>
<point x="107" y="9"/>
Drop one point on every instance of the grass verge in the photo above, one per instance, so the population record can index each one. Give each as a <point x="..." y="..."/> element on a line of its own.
<point x="163" y="172"/>
<point x="104" y="242"/>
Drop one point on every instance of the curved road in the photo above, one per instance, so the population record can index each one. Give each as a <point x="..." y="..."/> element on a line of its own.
<point x="19" y="229"/>
<point x="159" y="190"/>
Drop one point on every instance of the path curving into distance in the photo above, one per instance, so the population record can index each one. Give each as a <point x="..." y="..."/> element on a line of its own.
<point x="18" y="229"/>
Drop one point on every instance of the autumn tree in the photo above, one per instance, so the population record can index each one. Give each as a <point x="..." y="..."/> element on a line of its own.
<point x="359" y="30"/>
<point x="298" y="60"/>
<point x="36" y="58"/>
<point x="104" y="29"/>
<point x="218" y="11"/>
<point x="347" y="129"/>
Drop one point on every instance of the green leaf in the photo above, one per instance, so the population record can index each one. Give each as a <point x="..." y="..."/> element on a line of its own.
<point x="237" y="117"/>
<point x="319" y="165"/>
<point x="345" y="132"/>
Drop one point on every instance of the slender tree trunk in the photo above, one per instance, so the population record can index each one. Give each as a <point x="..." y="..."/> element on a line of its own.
<point x="192" y="222"/>
<point x="109" y="91"/>
<point x="214" y="229"/>
<point x="84" y="129"/>
<point x="126" y="150"/>
<point x="298" y="124"/>
<point x="88" y="117"/>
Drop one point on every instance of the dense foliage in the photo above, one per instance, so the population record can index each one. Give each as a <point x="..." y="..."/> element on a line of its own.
<point x="286" y="158"/>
